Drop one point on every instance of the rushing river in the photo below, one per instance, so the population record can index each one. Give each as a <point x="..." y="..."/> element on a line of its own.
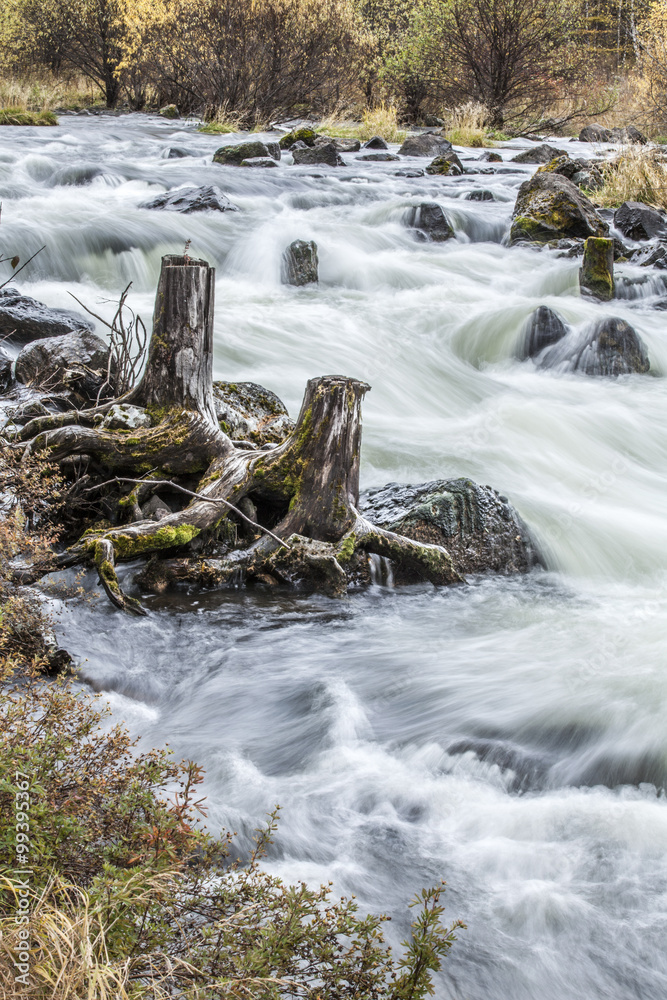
<point x="509" y="737"/>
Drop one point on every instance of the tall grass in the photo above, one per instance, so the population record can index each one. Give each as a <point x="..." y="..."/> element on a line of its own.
<point x="382" y="121"/>
<point x="43" y="92"/>
<point x="637" y="173"/>
<point x="466" y="125"/>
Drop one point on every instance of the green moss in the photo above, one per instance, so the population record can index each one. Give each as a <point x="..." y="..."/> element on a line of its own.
<point x="596" y="274"/>
<point x="169" y="537"/>
<point x="307" y="135"/>
<point x="346" y="550"/>
<point x="15" y="116"/>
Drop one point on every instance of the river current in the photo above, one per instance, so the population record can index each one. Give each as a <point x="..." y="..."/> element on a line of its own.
<point x="510" y="736"/>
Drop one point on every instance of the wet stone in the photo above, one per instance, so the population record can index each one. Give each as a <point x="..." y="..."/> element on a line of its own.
<point x="379" y="157"/>
<point x="259" y="161"/>
<point x="194" y="199"/>
<point x="300" y="263"/>
<point x="544" y="328"/>
<point x="479" y="196"/>
<point x="23" y="319"/>
<point x="249" y="412"/>
<point x="478" y="527"/>
<point x="376" y="142"/>
<point x="430" y="222"/>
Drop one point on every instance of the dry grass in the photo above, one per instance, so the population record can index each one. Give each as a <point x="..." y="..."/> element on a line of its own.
<point x="637" y="173"/>
<point x="16" y="116"/>
<point x="382" y="121"/>
<point x="465" y="125"/>
<point x="44" y="92"/>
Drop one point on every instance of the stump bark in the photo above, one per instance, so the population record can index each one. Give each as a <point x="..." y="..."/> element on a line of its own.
<point x="302" y="495"/>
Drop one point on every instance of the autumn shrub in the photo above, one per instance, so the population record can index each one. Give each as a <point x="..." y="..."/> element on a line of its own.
<point x="636" y="173"/>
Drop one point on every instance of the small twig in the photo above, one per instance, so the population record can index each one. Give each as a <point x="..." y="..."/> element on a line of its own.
<point x="18" y="271"/>
<point x="190" y="493"/>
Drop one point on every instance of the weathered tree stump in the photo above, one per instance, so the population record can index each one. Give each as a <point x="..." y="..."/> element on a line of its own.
<point x="301" y="496"/>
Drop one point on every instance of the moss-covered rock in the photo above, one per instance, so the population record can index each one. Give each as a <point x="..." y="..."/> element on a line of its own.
<point x="447" y="163"/>
<point x="550" y="207"/>
<point x="234" y="155"/>
<point x="478" y="527"/>
<point x="596" y="274"/>
<point x="169" y="111"/>
<point x="305" y="134"/>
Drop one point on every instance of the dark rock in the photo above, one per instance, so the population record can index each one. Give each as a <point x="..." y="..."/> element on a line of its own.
<point x="299" y="265"/>
<point x="188" y="200"/>
<point x="259" y="161"/>
<point x="346" y="145"/>
<point x="76" y="362"/>
<point x="235" y="155"/>
<point x="544" y="328"/>
<point x="274" y="150"/>
<point x="299" y="144"/>
<point x="176" y="153"/>
<point x="326" y="154"/>
<point x="595" y="133"/>
<point x="377" y="142"/>
<point x="305" y="135"/>
<point x="549" y="207"/>
<point x="426" y="144"/>
<point x="638" y="221"/>
<point x="488" y="156"/>
<point x="429" y="220"/>
<point x="596" y="274"/>
<point x="610" y="348"/>
<point x="249" y="412"/>
<point x="478" y="527"/>
<point x="379" y="157"/>
<point x="479" y="196"/>
<point x="651" y="255"/>
<point x="6" y="371"/>
<point x="169" y="111"/>
<point x="629" y="134"/>
<point x="23" y="319"/>
<point x="538" y="154"/>
<point x="409" y="172"/>
<point x="446" y="163"/>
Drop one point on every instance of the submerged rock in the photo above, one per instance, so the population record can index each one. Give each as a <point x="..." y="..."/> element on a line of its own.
<point x="544" y="328"/>
<point x="550" y="207"/>
<point x="235" y="155"/>
<point x="325" y="154"/>
<point x="478" y="527"/>
<point x="638" y="221"/>
<point x="23" y="319"/>
<point x="653" y="254"/>
<point x="249" y="412"/>
<point x="609" y="348"/>
<point x="488" y="156"/>
<point x="76" y="363"/>
<point x="538" y="154"/>
<point x="479" y="196"/>
<point x="195" y="199"/>
<point x="426" y="144"/>
<point x="429" y="221"/>
<point x="379" y="157"/>
<point x="300" y="263"/>
<point x="344" y="145"/>
<point x="259" y="161"/>
<point x="596" y="274"/>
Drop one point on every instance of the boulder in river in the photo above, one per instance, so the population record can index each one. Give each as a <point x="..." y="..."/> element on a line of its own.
<point x="638" y="221"/>
<point x="169" y="111"/>
<point x="426" y="144"/>
<point x="595" y="133"/>
<point x="596" y="274"/>
<point x="23" y="319"/>
<point x="479" y="528"/>
<point x="488" y="156"/>
<point x="259" y="161"/>
<point x="653" y="254"/>
<point x="194" y="199"/>
<point x="376" y="142"/>
<point x="178" y="153"/>
<point x="235" y="155"/>
<point x="429" y="221"/>
<point x="75" y="362"/>
<point x="609" y="348"/>
<point x="538" y="154"/>
<point x="250" y="412"/>
<point x="550" y="207"/>
<point x="343" y="145"/>
<point x="326" y="154"/>
<point x="543" y="329"/>
<point x="379" y="157"/>
<point x="480" y="195"/>
<point x="305" y="134"/>
<point x="628" y="134"/>
<point x="300" y="264"/>
<point x="447" y="163"/>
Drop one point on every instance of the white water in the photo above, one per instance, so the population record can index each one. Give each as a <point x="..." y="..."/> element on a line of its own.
<point x="508" y="737"/>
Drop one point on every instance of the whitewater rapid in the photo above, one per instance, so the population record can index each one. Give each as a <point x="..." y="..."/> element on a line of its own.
<point x="508" y="737"/>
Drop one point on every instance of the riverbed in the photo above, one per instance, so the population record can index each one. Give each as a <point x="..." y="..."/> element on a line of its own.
<point x="508" y="737"/>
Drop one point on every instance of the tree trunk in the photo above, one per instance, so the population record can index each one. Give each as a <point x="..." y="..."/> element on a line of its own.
<point x="179" y="369"/>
